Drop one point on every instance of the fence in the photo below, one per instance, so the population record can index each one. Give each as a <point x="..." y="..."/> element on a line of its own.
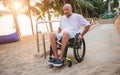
<point x="42" y="35"/>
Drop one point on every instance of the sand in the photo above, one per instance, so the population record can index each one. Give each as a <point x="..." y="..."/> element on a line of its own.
<point x="102" y="56"/>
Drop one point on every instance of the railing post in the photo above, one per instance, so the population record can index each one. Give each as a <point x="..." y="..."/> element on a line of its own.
<point x="44" y="46"/>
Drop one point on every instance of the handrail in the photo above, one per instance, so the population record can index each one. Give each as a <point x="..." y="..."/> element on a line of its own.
<point x="43" y="36"/>
<point x="48" y="21"/>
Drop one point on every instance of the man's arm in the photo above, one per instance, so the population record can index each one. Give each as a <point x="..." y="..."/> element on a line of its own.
<point x="85" y="30"/>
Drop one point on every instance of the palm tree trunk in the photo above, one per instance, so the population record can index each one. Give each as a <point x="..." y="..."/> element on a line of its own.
<point x="29" y="12"/>
<point x="8" y="4"/>
<point x="31" y="22"/>
<point x="49" y="16"/>
<point x="16" y="22"/>
<point x="119" y="4"/>
<point x="50" y="23"/>
<point x="109" y="7"/>
<point x="75" y="7"/>
<point x="87" y="12"/>
<point x="81" y="11"/>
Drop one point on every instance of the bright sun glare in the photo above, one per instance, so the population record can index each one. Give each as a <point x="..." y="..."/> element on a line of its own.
<point x="17" y="5"/>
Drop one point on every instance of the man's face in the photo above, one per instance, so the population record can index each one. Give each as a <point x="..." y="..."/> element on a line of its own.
<point x="67" y="11"/>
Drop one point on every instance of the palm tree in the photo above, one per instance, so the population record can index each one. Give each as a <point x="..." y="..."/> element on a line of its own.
<point x="78" y="6"/>
<point x="40" y="8"/>
<point x="11" y="10"/>
<point x="99" y="7"/>
<point x="9" y="5"/>
<point x="115" y="4"/>
<point x="48" y="12"/>
<point x="27" y="2"/>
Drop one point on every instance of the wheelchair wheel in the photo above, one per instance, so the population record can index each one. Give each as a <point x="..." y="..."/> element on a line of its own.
<point x="79" y="48"/>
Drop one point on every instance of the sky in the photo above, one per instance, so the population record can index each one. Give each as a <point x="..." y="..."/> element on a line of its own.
<point x="7" y="24"/>
<point x="1" y="7"/>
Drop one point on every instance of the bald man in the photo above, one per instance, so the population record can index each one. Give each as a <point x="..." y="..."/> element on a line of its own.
<point x="70" y="25"/>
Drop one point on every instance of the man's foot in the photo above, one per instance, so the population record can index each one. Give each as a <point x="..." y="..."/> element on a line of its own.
<point x="52" y="61"/>
<point x="59" y="62"/>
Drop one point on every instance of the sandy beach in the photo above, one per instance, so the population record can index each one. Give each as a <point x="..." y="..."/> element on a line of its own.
<point x="102" y="55"/>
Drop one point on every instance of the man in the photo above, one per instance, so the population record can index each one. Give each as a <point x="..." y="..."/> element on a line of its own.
<point x="70" y="24"/>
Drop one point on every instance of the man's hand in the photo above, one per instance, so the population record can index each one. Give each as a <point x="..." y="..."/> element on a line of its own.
<point x="80" y="37"/>
<point x="84" y="32"/>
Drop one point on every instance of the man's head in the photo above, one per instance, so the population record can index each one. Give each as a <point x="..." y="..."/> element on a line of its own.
<point x="67" y="9"/>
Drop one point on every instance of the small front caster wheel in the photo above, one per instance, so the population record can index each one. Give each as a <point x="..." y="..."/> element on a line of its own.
<point x="69" y="62"/>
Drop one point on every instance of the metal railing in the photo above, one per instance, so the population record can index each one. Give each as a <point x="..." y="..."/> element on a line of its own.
<point x="43" y="37"/>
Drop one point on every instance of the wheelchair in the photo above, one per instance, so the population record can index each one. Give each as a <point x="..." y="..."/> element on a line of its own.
<point x="78" y="46"/>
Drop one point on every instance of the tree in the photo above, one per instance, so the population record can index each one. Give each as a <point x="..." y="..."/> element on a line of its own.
<point x="41" y="8"/>
<point x="48" y="12"/>
<point x="9" y="5"/>
<point x="79" y="6"/>
<point x="26" y="9"/>
<point x="29" y="14"/>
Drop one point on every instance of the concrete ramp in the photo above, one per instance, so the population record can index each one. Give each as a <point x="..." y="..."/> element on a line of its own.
<point x="103" y="44"/>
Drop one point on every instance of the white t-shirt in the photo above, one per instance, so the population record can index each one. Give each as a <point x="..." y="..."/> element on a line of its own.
<point x="73" y="24"/>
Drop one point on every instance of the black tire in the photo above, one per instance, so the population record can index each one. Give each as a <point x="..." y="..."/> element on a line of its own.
<point x="79" y="48"/>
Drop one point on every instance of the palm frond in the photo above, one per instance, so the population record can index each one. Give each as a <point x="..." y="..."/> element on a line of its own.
<point x="3" y="13"/>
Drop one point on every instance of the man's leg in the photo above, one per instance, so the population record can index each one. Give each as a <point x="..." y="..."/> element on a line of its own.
<point x="54" y="48"/>
<point x="65" y="38"/>
<point x="53" y="44"/>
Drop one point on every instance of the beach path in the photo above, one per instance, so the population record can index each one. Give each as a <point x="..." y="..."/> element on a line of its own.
<point x="102" y="56"/>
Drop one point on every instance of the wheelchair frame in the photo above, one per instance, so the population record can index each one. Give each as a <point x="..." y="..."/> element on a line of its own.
<point x="77" y="45"/>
